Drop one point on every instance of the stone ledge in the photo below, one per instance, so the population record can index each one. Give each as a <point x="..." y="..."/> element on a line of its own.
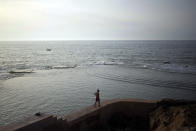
<point x="90" y="109"/>
<point x="27" y="122"/>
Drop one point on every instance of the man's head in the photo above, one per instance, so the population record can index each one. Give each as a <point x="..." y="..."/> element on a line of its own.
<point x="97" y="90"/>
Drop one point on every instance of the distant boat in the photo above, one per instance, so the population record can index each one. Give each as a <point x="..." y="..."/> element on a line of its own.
<point x="48" y="49"/>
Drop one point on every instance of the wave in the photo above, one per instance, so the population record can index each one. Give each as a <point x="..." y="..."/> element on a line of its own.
<point x="64" y="67"/>
<point x="172" y="68"/>
<point x="21" y="71"/>
<point x="108" y="63"/>
<point x="11" y="73"/>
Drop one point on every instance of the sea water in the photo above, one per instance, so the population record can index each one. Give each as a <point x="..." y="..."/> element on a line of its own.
<point x="59" y="77"/>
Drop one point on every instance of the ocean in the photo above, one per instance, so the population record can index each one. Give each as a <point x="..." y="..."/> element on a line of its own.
<point x="60" y="77"/>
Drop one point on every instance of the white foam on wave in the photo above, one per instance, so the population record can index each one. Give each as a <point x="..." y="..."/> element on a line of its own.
<point x="179" y="68"/>
<point x="64" y="67"/>
<point x="145" y="66"/>
<point x="176" y="68"/>
<point x="100" y="63"/>
<point x="108" y="63"/>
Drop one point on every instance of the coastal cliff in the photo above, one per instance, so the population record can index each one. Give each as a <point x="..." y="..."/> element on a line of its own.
<point x="173" y="115"/>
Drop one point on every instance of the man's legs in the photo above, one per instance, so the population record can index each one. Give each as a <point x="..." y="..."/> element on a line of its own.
<point x="95" y="103"/>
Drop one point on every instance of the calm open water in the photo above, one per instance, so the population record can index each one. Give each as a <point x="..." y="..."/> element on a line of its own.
<point x="65" y="78"/>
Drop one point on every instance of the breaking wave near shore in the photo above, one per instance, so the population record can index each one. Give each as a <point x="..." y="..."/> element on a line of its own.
<point x="166" y="56"/>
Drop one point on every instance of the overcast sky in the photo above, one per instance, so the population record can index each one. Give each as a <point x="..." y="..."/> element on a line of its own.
<point x="97" y="19"/>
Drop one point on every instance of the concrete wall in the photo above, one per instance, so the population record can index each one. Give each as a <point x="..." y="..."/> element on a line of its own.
<point x="85" y="119"/>
<point x="91" y="116"/>
<point x="34" y="123"/>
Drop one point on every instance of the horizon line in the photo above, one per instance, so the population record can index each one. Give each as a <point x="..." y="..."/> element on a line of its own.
<point x="91" y="40"/>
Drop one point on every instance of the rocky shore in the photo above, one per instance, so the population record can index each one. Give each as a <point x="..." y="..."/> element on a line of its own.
<point x="173" y="115"/>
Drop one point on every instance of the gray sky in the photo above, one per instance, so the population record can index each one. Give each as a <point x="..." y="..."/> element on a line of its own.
<point x="97" y="19"/>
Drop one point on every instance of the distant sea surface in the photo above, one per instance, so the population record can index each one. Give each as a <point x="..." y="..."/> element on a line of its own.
<point x="59" y="77"/>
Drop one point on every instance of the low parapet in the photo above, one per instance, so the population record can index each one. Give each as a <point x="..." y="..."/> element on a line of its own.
<point x="34" y="123"/>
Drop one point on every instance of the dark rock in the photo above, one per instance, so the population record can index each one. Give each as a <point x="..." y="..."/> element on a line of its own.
<point x="166" y="62"/>
<point x="38" y="114"/>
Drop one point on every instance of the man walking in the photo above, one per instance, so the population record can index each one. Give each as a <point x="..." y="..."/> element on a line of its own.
<point x="97" y="99"/>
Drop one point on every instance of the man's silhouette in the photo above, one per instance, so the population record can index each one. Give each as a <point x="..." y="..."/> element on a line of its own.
<point x="97" y="100"/>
